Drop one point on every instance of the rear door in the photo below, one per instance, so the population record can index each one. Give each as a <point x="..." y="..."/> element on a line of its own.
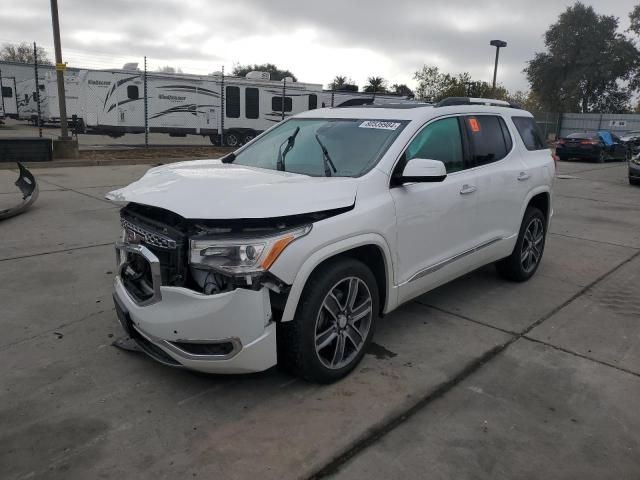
<point x="503" y="179"/>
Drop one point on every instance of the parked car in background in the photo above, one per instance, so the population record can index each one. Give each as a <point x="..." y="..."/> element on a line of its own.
<point x="632" y="141"/>
<point x="290" y="248"/>
<point x="634" y="169"/>
<point x="600" y="146"/>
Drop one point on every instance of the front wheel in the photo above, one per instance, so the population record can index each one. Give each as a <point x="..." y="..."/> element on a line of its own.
<point x="527" y="254"/>
<point x="602" y="156"/>
<point x="334" y="322"/>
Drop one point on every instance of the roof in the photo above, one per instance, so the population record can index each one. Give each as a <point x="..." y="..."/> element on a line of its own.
<point x="415" y="111"/>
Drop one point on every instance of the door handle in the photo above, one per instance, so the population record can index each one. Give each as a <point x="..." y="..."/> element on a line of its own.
<point x="523" y="176"/>
<point x="467" y="189"/>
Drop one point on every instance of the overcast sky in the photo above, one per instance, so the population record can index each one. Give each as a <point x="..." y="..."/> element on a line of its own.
<point x="316" y="40"/>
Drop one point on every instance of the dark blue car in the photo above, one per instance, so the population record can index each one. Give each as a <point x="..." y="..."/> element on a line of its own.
<point x="600" y="146"/>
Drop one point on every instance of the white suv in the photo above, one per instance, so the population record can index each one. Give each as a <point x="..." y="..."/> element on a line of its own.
<point x="289" y="249"/>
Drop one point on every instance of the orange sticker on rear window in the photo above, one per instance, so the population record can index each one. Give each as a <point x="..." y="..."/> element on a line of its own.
<point x="474" y="125"/>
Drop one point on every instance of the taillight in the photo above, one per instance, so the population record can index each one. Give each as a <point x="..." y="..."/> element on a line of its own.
<point x="589" y="142"/>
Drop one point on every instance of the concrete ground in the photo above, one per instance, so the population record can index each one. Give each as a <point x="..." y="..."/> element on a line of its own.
<point x="480" y="379"/>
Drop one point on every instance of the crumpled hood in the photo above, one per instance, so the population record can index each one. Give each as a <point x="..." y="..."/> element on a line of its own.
<point x="210" y="189"/>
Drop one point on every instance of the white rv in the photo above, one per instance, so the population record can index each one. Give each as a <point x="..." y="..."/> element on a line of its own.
<point x="112" y="102"/>
<point x="27" y="106"/>
<point x="8" y="98"/>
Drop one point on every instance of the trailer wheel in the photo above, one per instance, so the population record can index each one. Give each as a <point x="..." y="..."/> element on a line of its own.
<point x="231" y="139"/>
<point x="215" y="140"/>
<point x="248" y="137"/>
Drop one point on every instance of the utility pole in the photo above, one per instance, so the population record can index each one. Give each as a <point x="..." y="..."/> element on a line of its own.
<point x="146" y="106"/>
<point x="37" y="90"/>
<point x="498" y="44"/>
<point x="1" y="95"/>
<point x="60" y="68"/>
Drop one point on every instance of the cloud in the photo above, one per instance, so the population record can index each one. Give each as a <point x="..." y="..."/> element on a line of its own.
<point x="315" y="41"/>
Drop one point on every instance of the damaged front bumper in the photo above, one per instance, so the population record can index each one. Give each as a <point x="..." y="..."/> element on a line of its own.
<point x="229" y="332"/>
<point x="28" y="186"/>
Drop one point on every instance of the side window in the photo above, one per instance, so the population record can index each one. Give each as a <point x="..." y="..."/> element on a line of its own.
<point x="252" y="103"/>
<point x="440" y="140"/>
<point x="132" y="92"/>
<point x="7" y="92"/>
<point x="487" y="139"/>
<point x="313" y="101"/>
<point x="276" y="104"/>
<point x="528" y="130"/>
<point x="232" y="102"/>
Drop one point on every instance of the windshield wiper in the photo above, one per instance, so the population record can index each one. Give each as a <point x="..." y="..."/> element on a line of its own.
<point x="326" y="159"/>
<point x="290" y="142"/>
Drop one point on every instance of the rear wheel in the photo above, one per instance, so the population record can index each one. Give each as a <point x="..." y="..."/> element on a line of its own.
<point x="634" y="181"/>
<point x="232" y="139"/>
<point x="334" y="322"/>
<point x="563" y="158"/>
<point x="527" y="254"/>
<point x="602" y="156"/>
<point x="248" y="137"/>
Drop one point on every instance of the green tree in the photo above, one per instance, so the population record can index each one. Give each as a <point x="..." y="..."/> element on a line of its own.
<point x="23" y="53"/>
<point x="343" y="83"/>
<point x="526" y="100"/>
<point x="434" y="85"/>
<point x="376" y="85"/>
<point x="402" y="89"/>
<point x="276" y="73"/>
<point x="586" y="64"/>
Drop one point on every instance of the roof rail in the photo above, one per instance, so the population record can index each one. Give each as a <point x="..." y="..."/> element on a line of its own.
<point x="451" y="101"/>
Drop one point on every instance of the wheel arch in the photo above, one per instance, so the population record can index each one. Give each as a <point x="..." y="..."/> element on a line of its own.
<point x="371" y="249"/>
<point x="541" y="199"/>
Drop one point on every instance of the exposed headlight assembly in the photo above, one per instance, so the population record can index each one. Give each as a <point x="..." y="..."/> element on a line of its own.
<point x="241" y="256"/>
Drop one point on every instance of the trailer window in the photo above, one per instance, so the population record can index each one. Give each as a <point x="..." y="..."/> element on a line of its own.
<point x="7" y="92"/>
<point x="233" y="102"/>
<point x="313" y="102"/>
<point x="132" y="92"/>
<point x="251" y="102"/>
<point x="276" y="104"/>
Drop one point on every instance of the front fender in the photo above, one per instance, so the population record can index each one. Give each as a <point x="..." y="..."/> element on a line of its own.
<point x="328" y="251"/>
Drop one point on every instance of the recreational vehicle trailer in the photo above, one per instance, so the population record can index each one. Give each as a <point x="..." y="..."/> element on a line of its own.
<point x="27" y="102"/>
<point x="112" y="102"/>
<point x="9" y="99"/>
<point x="191" y="105"/>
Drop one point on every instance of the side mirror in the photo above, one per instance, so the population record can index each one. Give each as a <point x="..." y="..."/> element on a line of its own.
<point x="423" y="170"/>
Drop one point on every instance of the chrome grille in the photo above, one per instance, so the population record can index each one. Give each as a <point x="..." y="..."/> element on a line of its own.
<point x="138" y="234"/>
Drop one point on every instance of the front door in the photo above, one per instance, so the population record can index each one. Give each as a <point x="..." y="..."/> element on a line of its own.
<point x="436" y="222"/>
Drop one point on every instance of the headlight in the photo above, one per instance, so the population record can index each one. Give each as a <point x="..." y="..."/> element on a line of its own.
<point x="236" y="256"/>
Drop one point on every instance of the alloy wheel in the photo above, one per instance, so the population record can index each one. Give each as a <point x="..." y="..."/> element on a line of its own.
<point x="532" y="243"/>
<point x="343" y="323"/>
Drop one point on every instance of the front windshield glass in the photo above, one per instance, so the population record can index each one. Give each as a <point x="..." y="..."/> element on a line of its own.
<point x="351" y="146"/>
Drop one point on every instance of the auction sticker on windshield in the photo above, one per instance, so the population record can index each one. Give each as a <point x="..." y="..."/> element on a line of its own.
<point x="380" y="125"/>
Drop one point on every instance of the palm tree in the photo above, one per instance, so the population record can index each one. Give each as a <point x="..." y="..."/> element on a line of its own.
<point x="338" y="82"/>
<point x="376" y="85"/>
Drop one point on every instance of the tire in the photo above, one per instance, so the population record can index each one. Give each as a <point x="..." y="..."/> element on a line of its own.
<point x="563" y="158"/>
<point x="602" y="156"/>
<point x="232" y="139"/>
<point x="300" y="349"/>
<point x="634" y="181"/>
<point x="627" y="155"/>
<point x="248" y="137"/>
<point x="516" y="267"/>
<point x="215" y="140"/>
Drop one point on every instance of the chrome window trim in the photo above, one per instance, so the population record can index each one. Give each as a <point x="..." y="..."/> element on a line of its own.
<point x="443" y="263"/>
<point x="154" y="263"/>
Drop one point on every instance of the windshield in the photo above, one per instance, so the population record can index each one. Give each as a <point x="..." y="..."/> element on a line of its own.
<point x="322" y="146"/>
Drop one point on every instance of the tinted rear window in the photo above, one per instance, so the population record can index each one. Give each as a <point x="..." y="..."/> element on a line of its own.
<point x="489" y="137"/>
<point x="233" y="102"/>
<point x="528" y="130"/>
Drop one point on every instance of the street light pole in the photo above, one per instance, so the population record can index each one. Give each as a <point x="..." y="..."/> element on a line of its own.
<point x="498" y="44"/>
<point x="60" y="67"/>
